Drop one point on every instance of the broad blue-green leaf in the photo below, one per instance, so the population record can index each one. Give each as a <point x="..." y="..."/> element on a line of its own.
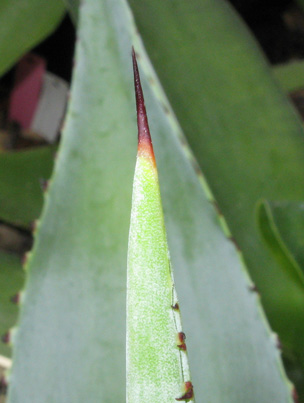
<point x="70" y="346"/>
<point x="23" y="24"/>
<point x="244" y="133"/>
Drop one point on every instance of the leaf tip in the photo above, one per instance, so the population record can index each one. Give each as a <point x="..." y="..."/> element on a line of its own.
<point x="145" y="146"/>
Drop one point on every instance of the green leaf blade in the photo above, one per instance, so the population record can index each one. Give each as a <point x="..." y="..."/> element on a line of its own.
<point x="153" y="358"/>
<point x="157" y="367"/>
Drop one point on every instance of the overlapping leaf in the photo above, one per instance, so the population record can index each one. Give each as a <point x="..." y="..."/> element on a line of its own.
<point x="282" y="226"/>
<point x="21" y="174"/>
<point x="23" y="24"/>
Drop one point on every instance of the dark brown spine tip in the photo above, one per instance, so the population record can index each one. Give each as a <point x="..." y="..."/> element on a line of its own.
<point x="181" y="341"/>
<point x="188" y="395"/>
<point x="144" y="137"/>
<point x="175" y="306"/>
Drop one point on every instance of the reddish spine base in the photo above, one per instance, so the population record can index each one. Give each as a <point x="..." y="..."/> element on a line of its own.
<point x="145" y="147"/>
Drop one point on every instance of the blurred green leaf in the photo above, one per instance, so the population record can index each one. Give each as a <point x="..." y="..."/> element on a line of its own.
<point x="290" y="75"/>
<point x="73" y="6"/>
<point x="244" y="133"/>
<point x="23" y="24"/>
<point x="21" y="172"/>
<point x="70" y="346"/>
<point x="11" y="281"/>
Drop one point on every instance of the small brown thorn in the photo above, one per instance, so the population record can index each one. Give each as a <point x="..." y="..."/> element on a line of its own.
<point x="15" y="299"/>
<point x="278" y="343"/>
<point x="144" y="137"/>
<point x="166" y="109"/>
<point x="6" y="338"/>
<point x="232" y="239"/>
<point x="217" y="208"/>
<point x="33" y="226"/>
<point x="188" y="394"/>
<point x="196" y="167"/>
<point x="181" y="341"/>
<point x="24" y="259"/>
<point x="295" y="395"/>
<point x="253" y="288"/>
<point x="175" y="306"/>
<point x="60" y="131"/>
<point x="3" y="385"/>
<point x="44" y="184"/>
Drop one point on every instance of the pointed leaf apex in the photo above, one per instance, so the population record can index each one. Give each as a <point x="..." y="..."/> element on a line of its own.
<point x="144" y="138"/>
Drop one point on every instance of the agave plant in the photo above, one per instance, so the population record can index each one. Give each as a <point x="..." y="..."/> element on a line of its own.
<point x="215" y="108"/>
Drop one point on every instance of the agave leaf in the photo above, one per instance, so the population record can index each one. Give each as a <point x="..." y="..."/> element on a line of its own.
<point x="23" y="24"/>
<point x="282" y="227"/>
<point x="243" y="131"/>
<point x="71" y="339"/>
<point x="157" y="365"/>
<point x="21" y="173"/>
<point x="11" y="281"/>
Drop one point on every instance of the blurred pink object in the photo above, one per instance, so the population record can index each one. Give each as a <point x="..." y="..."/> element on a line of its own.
<point x="26" y="91"/>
